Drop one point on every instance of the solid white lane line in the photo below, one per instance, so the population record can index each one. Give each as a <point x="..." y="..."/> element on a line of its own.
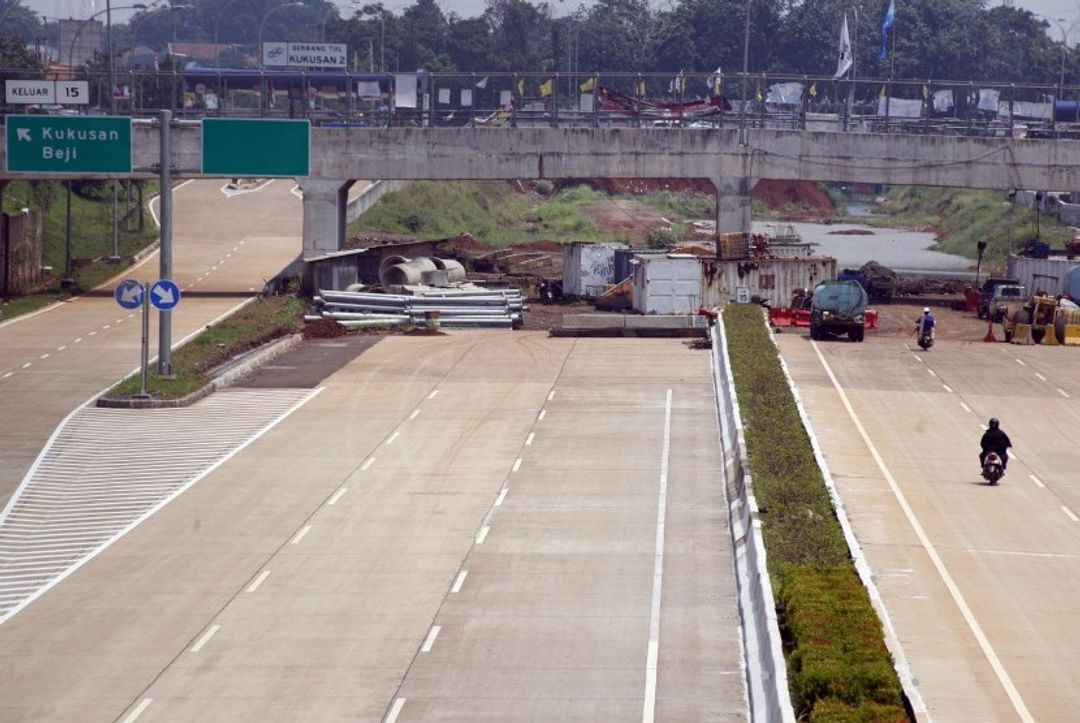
<point x="1038" y="482"/>
<point x="648" y="712"/>
<point x="1063" y="393"/>
<point x="995" y="663"/>
<point x="44" y="356"/>
<point x="337" y="495"/>
<point x="414" y="414"/>
<point x="143" y="705"/>
<point x="370" y="461"/>
<point x="459" y="581"/>
<point x="529" y="439"/>
<point x="551" y="395"/>
<point x="543" y="413"/>
<point x="300" y="535"/>
<point x="395" y="711"/>
<point x="1040" y="376"/>
<point x="206" y="637"/>
<point x="430" y="396"/>
<point x="393" y="437"/>
<point x="482" y="535"/>
<point x="258" y="581"/>
<point x="501" y="497"/>
<point x="1021" y="362"/>
<point x="430" y="640"/>
<point x="946" y="388"/>
<point x="966" y="408"/>
<point x="1070" y="513"/>
<point x="517" y="464"/>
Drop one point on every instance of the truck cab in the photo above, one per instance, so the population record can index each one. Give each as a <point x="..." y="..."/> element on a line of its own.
<point x="986" y="294"/>
<point x="837" y="307"/>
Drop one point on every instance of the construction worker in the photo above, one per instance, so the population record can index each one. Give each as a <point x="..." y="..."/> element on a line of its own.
<point x="994" y="440"/>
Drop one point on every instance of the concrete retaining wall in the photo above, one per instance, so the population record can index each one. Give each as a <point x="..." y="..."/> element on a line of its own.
<point x="765" y="667"/>
<point x="361" y="204"/>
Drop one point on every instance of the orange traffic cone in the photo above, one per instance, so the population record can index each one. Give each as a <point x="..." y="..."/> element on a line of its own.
<point x="990" y="331"/>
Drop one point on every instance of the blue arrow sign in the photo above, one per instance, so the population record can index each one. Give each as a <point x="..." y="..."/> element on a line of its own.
<point x="164" y="294"/>
<point x="129" y="294"/>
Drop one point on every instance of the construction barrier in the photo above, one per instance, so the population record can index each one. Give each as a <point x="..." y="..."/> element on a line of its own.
<point x="788" y="316"/>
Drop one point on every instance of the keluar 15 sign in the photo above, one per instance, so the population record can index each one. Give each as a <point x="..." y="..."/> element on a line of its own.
<point x="47" y="92"/>
<point x="305" y="55"/>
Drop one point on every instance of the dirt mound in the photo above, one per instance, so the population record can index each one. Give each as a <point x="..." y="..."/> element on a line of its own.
<point x="323" y="329"/>
<point x="777" y="194"/>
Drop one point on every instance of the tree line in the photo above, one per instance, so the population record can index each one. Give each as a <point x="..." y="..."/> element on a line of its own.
<point x="934" y="39"/>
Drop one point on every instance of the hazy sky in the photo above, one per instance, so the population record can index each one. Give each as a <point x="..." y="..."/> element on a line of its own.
<point x="1069" y="10"/>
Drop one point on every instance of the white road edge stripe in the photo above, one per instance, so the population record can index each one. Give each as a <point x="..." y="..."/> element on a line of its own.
<point x="414" y="414"/>
<point x="501" y="497"/>
<point x="395" y="710"/>
<point x="1040" y="376"/>
<point x="459" y="581"/>
<point x="1038" y="482"/>
<point x="1063" y="393"/>
<point x="931" y="551"/>
<point x="205" y="638"/>
<point x="947" y="388"/>
<point x="1070" y="513"/>
<point x="551" y="395"/>
<point x="517" y="464"/>
<point x="143" y="705"/>
<point x="430" y="396"/>
<point x="430" y="640"/>
<point x="543" y="413"/>
<point x="393" y="436"/>
<point x="648" y="712"/>
<point x="482" y="535"/>
<point x="529" y="439"/>
<point x="337" y="495"/>
<point x="370" y="461"/>
<point x="966" y="408"/>
<point x="258" y="581"/>
<point x="300" y="535"/>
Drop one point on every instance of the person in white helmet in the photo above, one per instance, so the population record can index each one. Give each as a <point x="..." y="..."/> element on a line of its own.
<point x="925" y="323"/>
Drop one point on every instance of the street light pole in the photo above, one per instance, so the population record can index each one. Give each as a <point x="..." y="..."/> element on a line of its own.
<point x="1064" y="47"/>
<point x="217" y="23"/>
<point x="262" y="24"/>
<point x="745" y="70"/>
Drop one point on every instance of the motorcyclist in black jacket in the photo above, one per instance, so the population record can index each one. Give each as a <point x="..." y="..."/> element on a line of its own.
<point x="994" y="440"/>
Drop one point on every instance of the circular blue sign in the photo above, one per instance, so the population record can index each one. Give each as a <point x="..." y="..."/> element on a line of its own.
<point x="129" y="294"/>
<point x="164" y="294"/>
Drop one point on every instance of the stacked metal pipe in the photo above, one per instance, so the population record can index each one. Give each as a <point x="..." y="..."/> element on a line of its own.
<point x="470" y="308"/>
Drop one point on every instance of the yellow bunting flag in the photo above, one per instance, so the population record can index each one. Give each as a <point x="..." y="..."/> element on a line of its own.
<point x="521" y="86"/>
<point x="545" y="88"/>
<point x="813" y="90"/>
<point x="925" y="92"/>
<point x="640" y="90"/>
<point x="588" y="85"/>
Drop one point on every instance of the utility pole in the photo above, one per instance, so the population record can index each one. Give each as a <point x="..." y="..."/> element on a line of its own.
<point x="165" y="367"/>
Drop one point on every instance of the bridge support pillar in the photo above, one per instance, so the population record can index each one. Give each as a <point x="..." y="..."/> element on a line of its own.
<point x="325" y="203"/>
<point x="733" y="203"/>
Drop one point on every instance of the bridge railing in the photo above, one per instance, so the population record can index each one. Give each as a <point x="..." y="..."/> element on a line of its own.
<point x="637" y="100"/>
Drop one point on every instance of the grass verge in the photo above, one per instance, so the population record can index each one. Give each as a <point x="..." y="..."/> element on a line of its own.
<point x="838" y="666"/>
<point x="263" y="320"/>
<point x="91" y="234"/>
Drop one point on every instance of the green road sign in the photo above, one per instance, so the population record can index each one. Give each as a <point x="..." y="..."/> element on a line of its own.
<point x="68" y="144"/>
<point x="252" y="147"/>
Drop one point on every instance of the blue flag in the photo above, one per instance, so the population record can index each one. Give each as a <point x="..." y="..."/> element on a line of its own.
<point x="890" y="19"/>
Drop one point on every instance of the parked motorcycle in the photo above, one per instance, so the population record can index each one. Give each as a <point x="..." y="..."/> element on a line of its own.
<point x="993" y="470"/>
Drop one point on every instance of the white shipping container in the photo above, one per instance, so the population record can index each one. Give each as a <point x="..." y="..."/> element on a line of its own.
<point x="588" y="268"/>
<point x="1046" y="275"/>
<point x="669" y="284"/>
<point x="772" y="280"/>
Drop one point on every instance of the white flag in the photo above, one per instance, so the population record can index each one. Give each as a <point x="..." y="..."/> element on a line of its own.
<point x="483" y="83"/>
<point x="845" y="61"/>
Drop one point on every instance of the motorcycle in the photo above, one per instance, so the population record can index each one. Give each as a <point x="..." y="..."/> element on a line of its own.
<point x="926" y="341"/>
<point x="993" y="470"/>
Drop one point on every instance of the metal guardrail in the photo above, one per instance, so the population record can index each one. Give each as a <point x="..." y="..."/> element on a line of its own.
<point x="585" y="99"/>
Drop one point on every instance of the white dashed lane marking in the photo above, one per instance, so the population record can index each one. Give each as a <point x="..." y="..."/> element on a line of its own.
<point x="106" y="470"/>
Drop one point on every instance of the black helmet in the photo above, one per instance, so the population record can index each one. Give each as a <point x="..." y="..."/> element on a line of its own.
<point x="993" y="423"/>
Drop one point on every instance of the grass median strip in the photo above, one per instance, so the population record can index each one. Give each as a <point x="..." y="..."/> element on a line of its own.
<point x="838" y="666"/>
<point x="257" y="323"/>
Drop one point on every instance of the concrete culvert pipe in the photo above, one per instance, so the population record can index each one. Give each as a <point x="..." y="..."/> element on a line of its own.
<point x="387" y="262"/>
<point x="455" y="272"/>
<point x="407" y="273"/>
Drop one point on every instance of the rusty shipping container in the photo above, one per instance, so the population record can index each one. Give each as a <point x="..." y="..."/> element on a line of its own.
<point x="772" y="280"/>
<point x="1045" y="275"/>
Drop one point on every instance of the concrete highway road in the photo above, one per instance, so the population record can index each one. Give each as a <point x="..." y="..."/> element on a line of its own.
<point x="53" y="361"/>
<point x="982" y="584"/>
<point x="480" y="525"/>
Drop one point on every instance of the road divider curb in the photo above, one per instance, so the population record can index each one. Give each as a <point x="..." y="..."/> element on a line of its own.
<point x="766" y="671"/>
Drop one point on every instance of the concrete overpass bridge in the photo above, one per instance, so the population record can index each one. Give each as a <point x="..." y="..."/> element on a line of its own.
<point x="731" y="158"/>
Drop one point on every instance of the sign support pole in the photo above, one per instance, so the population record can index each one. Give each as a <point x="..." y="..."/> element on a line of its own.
<point x="165" y="367"/>
<point x="143" y="394"/>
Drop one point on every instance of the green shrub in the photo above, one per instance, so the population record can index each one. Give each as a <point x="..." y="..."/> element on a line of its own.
<point x="836" y="657"/>
<point x="659" y="238"/>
